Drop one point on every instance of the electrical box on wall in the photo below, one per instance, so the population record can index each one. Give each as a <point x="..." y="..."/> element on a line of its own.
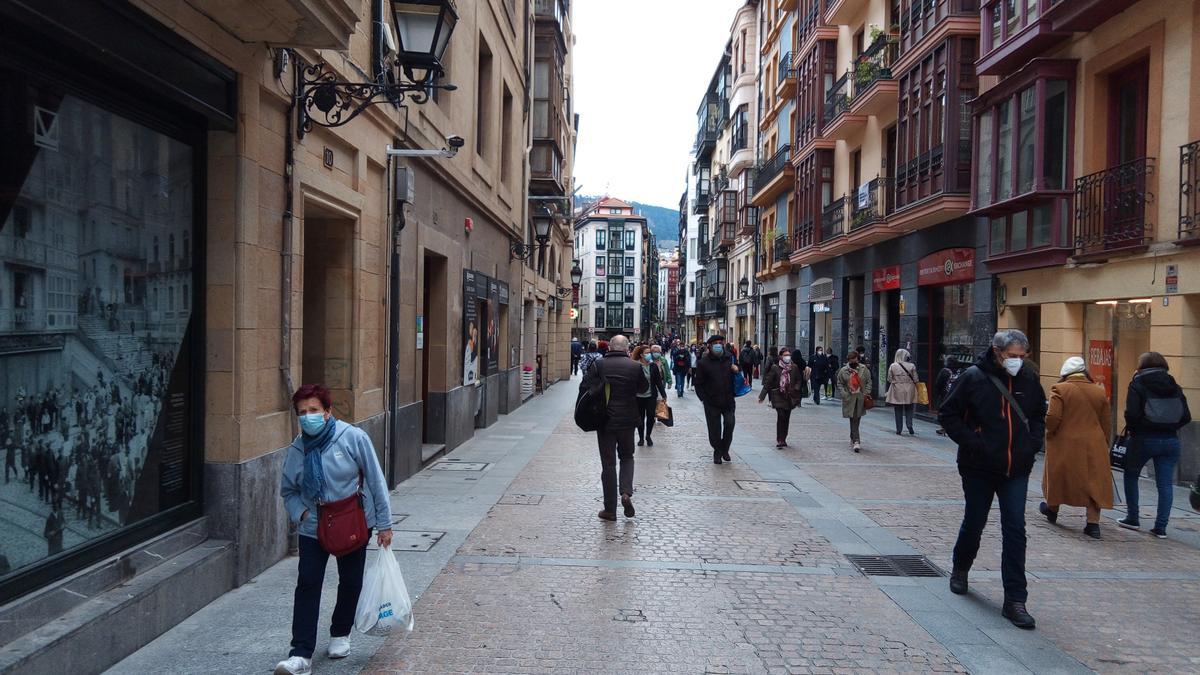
<point x="404" y="185"/>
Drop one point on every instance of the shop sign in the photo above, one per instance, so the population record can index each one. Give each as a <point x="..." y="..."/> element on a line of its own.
<point x="821" y="307"/>
<point x="773" y="303"/>
<point x="951" y="266"/>
<point x="1172" y="278"/>
<point x="1099" y="363"/>
<point x="420" y="332"/>
<point x="742" y="310"/>
<point x="470" y="329"/>
<point x="885" y="278"/>
<point x="503" y="293"/>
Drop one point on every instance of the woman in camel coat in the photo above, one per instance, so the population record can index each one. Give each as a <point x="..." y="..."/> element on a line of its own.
<point x="902" y="389"/>
<point x="1077" y="440"/>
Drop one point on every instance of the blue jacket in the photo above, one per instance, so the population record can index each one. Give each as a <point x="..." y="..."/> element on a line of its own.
<point x="349" y="452"/>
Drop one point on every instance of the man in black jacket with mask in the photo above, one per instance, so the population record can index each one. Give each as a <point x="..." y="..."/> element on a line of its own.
<point x="996" y="413"/>
<point x="625" y="379"/>
<point x="714" y="387"/>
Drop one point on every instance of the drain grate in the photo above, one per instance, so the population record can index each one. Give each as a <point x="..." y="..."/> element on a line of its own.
<point x="766" y="485"/>
<point x="895" y="566"/>
<point x="456" y="465"/>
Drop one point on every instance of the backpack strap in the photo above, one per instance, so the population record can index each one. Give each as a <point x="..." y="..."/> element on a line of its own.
<point x="1012" y="402"/>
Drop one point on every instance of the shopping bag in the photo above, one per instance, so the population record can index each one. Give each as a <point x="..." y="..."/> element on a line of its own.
<point x="383" y="603"/>
<point x="740" y="386"/>
<point x="664" y="414"/>
<point x="1122" y="448"/>
<point x="922" y="393"/>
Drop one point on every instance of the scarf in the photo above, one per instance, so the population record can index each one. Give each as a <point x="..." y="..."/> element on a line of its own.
<point x="313" y="482"/>
<point x="855" y="382"/>
<point x="785" y="379"/>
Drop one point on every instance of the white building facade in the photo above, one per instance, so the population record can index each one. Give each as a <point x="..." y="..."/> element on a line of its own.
<point x="609" y="243"/>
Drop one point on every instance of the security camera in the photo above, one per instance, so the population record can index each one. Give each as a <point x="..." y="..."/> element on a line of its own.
<point x="455" y="141"/>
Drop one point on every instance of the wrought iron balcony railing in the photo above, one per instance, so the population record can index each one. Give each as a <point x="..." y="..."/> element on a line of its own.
<point x="768" y="170"/>
<point x="786" y="67"/>
<point x="837" y="100"/>
<point x="1189" y="190"/>
<point x="875" y="64"/>
<point x="783" y="247"/>
<point x="870" y="203"/>
<point x="1110" y="208"/>
<point x="833" y="220"/>
<point x="805" y="232"/>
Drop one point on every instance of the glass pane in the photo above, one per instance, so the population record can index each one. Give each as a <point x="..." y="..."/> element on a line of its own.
<point x="1004" y="151"/>
<point x="1012" y="17"/>
<point x="1054" y="152"/>
<point x="1042" y="221"/>
<point x="998" y="235"/>
<point x="1020" y="232"/>
<point x="1026" y="140"/>
<point x="1031" y="10"/>
<point x="95" y="393"/>
<point x="996" y="22"/>
<point x="983" y="165"/>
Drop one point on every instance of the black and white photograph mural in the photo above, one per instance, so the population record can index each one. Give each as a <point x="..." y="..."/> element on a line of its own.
<point x="96" y="289"/>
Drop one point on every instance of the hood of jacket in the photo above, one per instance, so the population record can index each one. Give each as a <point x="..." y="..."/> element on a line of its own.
<point x="902" y="356"/>
<point x="1157" y="381"/>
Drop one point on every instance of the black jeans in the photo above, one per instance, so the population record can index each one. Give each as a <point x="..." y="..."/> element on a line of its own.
<point x="720" y="428"/>
<point x="306" y="607"/>
<point x="905" y="411"/>
<point x="646" y="418"/>
<point x="816" y="389"/>
<point x="854" y="424"/>
<point x="783" y="418"/>
<point x="574" y="365"/>
<point x="614" y="444"/>
<point x="978" y="490"/>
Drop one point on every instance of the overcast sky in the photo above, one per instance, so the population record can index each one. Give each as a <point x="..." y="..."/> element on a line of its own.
<point x="641" y="69"/>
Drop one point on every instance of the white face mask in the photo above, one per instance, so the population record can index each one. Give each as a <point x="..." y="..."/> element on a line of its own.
<point x="787" y="358"/>
<point x="1013" y="366"/>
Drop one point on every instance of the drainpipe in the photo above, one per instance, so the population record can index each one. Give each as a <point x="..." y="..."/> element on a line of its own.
<point x="393" y="310"/>
<point x="285" y="257"/>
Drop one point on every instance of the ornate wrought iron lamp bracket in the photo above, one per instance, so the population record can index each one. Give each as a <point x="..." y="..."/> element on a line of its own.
<point x="326" y="101"/>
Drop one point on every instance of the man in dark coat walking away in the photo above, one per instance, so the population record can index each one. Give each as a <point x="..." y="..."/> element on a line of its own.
<point x="576" y="354"/>
<point x="625" y="379"/>
<point x="681" y="366"/>
<point x="820" y="373"/>
<point x="714" y="387"/>
<point x="996" y="413"/>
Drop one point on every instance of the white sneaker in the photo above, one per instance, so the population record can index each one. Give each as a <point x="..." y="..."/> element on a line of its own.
<point x="857" y="447"/>
<point x="339" y="647"/>
<point x="294" y="665"/>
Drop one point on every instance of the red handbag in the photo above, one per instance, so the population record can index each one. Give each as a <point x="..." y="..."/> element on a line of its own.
<point x="342" y="525"/>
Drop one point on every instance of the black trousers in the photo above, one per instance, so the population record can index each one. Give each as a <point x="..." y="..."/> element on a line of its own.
<point x="905" y="411"/>
<point x="646" y="418"/>
<point x="978" y="491"/>
<point x="306" y="608"/>
<point x="720" y="427"/>
<point x="614" y="444"/>
<point x="783" y="419"/>
<point x="574" y="365"/>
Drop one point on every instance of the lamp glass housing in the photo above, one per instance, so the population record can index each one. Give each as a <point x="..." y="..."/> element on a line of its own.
<point x="423" y="29"/>
<point x="541" y="224"/>
<point x="576" y="274"/>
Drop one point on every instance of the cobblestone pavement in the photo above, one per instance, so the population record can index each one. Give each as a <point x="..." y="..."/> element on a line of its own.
<point x="738" y="568"/>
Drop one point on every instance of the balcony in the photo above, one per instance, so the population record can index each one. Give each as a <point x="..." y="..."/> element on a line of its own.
<point x="774" y="176"/>
<point x="840" y="123"/>
<point x="1110" y="210"/>
<point x="709" y="125"/>
<point x="833" y="221"/>
<point x="786" y="88"/>
<point x="727" y="218"/>
<point x="843" y="12"/>
<point x="811" y="25"/>
<point x="928" y="22"/>
<point x="545" y="164"/>
<point x="1189" y="193"/>
<point x="321" y="24"/>
<point x="1084" y="15"/>
<point x="875" y="88"/>
<point x="700" y="201"/>
<point x="1010" y="41"/>
<point x="870" y="204"/>
<point x="782" y="248"/>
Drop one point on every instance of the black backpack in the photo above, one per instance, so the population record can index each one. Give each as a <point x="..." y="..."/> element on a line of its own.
<point x="591" y="408"/>
<point x="1163" y="412"/>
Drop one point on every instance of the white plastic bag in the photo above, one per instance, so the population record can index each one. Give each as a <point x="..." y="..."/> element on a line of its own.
<point x="383" y="603"/>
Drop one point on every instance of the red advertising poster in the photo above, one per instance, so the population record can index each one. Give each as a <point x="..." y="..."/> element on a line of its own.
<point x="950" y="266"/>
<point x="1099" y="362"/>
<point x="885" y="278"/>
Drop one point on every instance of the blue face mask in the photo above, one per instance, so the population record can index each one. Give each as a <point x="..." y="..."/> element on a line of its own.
<point x="312" y="423"/>
<point x="718" y="349"/>
<point x="648" y="357"/>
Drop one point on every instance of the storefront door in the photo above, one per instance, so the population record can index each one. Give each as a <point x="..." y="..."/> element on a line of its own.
<point x="1116" y="333"/>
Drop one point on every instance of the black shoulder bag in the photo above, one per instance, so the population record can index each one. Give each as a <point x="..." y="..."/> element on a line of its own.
<point x="1012" y="401"/>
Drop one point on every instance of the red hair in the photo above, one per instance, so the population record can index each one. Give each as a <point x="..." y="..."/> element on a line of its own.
<point x="317" y="391"/>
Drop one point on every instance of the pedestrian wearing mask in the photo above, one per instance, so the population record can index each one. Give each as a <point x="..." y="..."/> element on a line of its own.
<point x="746" y="362"/>
<point x="1077" y="427"/>
<point x="831" y="375"/>
<point x="647" y="399"/>
<point x="1155" y="411"/>
<point x="714" y="387"/>
<point x="945" y="380"/>
<point x="785" y="384"/>
<point x="329" y="462"/>
<point x="625" y="378"/>
<point x="681" y="363"/>
<point x="660" y="360"/>
<point x="854" y="386"/>
<point x="902" y="389"/>
<point x="819" y="363"/>
<point x="996" y="413"/>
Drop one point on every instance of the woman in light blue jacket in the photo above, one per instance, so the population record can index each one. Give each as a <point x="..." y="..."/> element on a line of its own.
<point x="330" y="460"/>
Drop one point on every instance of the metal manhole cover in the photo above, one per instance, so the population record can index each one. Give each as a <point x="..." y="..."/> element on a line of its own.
<point x="452" y="465"/>
<point x="766" y="485"/>
<point x="895" y="566"/>
<point x="414" y="540"/>
<point x="521" y="500"/>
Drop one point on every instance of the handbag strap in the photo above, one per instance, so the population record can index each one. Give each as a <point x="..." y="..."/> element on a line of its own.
<point x="909" y="374"/>
<point x="1012" y="402"/>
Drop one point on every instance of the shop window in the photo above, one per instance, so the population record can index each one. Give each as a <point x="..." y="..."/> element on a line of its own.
<point x="86" y="344"/>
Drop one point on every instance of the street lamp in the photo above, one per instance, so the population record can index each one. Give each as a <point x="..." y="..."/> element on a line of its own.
<point x="543" y="219"/>
<point x="423" y="28"/>
<point x="576" y="277"/>
<point x="744" y="287"/>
